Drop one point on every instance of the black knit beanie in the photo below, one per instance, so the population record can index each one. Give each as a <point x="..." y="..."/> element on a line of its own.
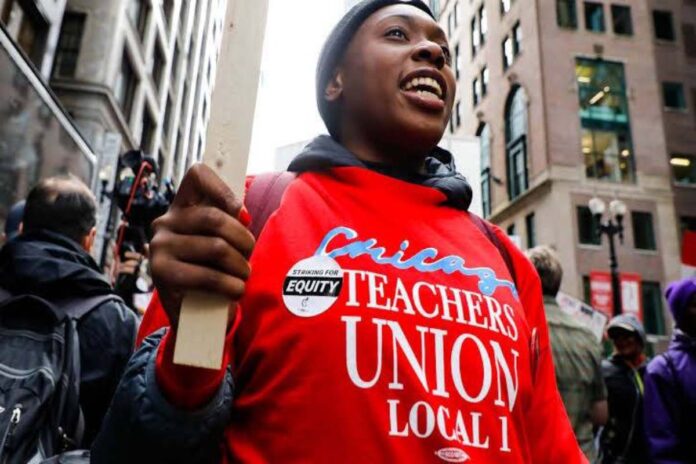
<point x="337" y="43"/>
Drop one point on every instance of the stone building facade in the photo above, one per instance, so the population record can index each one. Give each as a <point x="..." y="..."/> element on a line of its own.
<point x="144" y="69"/>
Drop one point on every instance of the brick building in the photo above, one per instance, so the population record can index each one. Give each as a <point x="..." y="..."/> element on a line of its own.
<point x="576" y="99"/>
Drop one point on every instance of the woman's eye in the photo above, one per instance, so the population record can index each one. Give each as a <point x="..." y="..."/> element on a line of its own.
<point x="396" y="33"/>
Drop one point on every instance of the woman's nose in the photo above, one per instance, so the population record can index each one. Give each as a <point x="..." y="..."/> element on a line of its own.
<point x="430" y="52"/>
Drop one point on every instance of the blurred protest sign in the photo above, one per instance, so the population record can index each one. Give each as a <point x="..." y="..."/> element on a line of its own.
<point x="583" y="313"/>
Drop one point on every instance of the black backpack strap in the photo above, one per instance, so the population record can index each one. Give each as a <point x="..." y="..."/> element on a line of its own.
<point x="78" y="308"/>
<point x="263" y="197"/>
<point x="487" y="230"/>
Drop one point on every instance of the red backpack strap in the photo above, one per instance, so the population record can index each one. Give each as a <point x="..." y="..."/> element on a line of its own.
<point x="263" y="197"/>
<point x="487" y="230"/>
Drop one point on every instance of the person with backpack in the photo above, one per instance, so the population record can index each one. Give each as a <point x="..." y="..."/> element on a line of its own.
<point x="49" y="282"/>
<point x="670" y="384"/>
<point x="622" y="440"/>
<point x="376" y="320"/>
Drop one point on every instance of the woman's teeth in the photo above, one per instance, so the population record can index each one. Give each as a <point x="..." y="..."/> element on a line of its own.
<point x="426" y="87"/>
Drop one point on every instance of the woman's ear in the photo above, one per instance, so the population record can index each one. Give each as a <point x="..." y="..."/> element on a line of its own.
<point x="334" y="88"/>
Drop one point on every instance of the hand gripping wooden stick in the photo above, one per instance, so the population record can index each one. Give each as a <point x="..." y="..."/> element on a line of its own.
<point x="201" y="332"/>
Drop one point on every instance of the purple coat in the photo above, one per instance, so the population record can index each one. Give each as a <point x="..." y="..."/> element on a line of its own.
<point x="670" y="403"/>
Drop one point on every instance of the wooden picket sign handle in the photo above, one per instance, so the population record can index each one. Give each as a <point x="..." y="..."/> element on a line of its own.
<point x="200" y="336"/>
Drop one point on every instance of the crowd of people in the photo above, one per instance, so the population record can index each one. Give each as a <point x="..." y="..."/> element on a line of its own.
<point x="626" y="408"/>
<point x="382" y="322"/>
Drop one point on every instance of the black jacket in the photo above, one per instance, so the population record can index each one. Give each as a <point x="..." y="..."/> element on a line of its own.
<point x="623" y="439"/>
<point x="54" y="267"/>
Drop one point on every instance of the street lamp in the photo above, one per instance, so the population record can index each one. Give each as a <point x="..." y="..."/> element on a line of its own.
<point x="613" y="226"/>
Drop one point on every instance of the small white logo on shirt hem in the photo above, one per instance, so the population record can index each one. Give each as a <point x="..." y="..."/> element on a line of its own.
<point x="452" y="455"/>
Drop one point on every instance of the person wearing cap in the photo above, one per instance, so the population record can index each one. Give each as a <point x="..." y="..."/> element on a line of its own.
<point x="623" y="438"/>
<point x="13" y="222"/>
<point x="376" y="322"/>
<point x="670" y="384"/>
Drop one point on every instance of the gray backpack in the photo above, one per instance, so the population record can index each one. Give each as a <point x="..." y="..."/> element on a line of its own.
<point x="40" y="415"/>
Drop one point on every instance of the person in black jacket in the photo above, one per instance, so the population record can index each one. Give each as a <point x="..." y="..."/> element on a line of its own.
<point x="623" y="440"/>
<point x="50" y="259"/>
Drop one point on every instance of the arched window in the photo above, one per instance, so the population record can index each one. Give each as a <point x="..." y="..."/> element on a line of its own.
<point x="516" y="142"/>
<point x="484" y="134"/>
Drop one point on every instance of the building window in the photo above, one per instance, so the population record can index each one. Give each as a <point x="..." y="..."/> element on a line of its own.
<point x="475" y="36"/>
<point x="199" y="151"/>
<point x="158" y="63"/>
<point x="458" y="113"/>
<point x="687" y="223"/>
<point x="484" y="81"/>
<point x="643" y="232"/>
<point x="604" y="120"/>
<point x="485" y="146"/>
<point x="673" y="95"/>
<point x="505" y="6"/>
<point x="138" y="12"/>
<point x="531" y="230"/>
<point x="30" y="30"/>
<point x="586" y="289"/>
<point x="516" y="39"/>
<point x="167" y="118"/>
<point x="450" y="25"/>
<point x="435" y="7"/>
<point x="652" y="308"/>
<point x="587" y="227"/>
<point x="476" y="91"/>
<point x="511" y="230"/>
<point x="147" y="136"/>
<point x="178" y="155"/>
<point x="621" y="19"/>
<point x="508" y="52"/>
<point x="175" y="60"/>
<point x="664" y="27"/>
<point x="68" y="49"/>
<point x="483" y="24"/>
<point x="124" y="88"/>
<point x="689" y="33"/>
<point x="566" y="14"/>
<point x="168" y="8"/>
<point x="516" y="142"/>
<point x="683" y="169"/>
<point x="457" y="62"/>
<point x="457" y="15"/>
<point x="594" y="16"/>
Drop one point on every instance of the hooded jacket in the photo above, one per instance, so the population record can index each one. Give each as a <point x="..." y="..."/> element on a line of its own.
<point x="623" y="438"/>
<point x="54" y="267"/>
<point x="378" y="325"/>
<point x="670" y="389"/>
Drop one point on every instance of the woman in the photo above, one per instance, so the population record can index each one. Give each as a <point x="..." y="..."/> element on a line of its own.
<point x="379" y="323"/>
<point x="670" y="384"/>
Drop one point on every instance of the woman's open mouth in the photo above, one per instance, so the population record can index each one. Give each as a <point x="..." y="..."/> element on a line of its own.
<point x="424" y="91"/>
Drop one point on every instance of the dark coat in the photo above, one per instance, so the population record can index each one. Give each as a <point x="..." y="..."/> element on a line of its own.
<point x="54" y="267"/>
<point x="670" y="403"/>
<point x="623" y="438"/>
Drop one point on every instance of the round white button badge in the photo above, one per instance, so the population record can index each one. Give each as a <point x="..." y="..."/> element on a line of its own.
<point x="312" y="286"/>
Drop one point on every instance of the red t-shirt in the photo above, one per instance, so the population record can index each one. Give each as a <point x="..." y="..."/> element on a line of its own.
<point x="379" y="325"/>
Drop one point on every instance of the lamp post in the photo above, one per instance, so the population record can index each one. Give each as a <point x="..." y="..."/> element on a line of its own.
<point x="613" y="226"/>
